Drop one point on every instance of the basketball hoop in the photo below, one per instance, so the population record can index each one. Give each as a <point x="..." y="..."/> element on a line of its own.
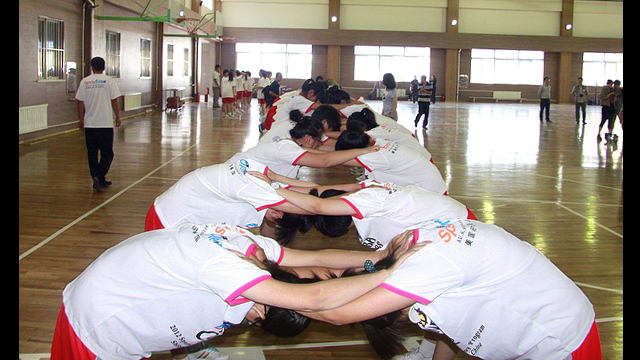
<point x="191" y="25"/>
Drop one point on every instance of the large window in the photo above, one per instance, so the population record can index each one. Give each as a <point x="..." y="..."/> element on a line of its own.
<point x="292" y="60"/>
<point x="50" y="49"/>
<point x="520" y="67"/>
<point x="371" y="62"/>
<point x="145" y="58"/>
<point x="113" y="54"/>
<point x="597" y="68"/>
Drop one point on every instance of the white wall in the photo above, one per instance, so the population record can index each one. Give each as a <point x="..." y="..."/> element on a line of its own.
<point x="600" y="19"/>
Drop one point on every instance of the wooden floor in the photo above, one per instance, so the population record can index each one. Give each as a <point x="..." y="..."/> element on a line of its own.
<point x="552" y="185"/>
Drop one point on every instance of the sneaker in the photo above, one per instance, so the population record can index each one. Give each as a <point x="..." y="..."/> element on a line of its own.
<point x="363" y="177"/>
<point x="413" y="354"/>
<point x="208" y="352"/>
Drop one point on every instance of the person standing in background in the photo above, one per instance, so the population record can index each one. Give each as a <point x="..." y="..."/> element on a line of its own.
<point x="544" y="93"/>
<point x="580" y="93"/>
<point x="390" y="99"/>
<point x="216" y="86"/>
<point x="97" y="99"/>
<point x="433" y="81"/>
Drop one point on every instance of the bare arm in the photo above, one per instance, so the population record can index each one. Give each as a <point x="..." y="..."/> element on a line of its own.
<point x="116" y="110"/>
<point x="81" y="114"/>
<point x="322" y="295"/>
<point x="315" y="204"/>
<point x="333" y="158"/>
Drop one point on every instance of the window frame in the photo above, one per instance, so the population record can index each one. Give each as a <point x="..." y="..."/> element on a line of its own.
<point x="526" y="67"/>
<point x="113" y="59"/>
<point x="47" y="54"/>
<point x="391" y="59"/>
<point x="275" y="57"/>
<point x="144" y="59"/>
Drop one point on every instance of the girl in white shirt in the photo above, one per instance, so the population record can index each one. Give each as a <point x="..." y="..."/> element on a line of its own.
<point x="378" y="211"/>
<point x="223" y="193"/>
<point x="227" y="92"/>
<point x="393" y="163"/>
<point x="495" y="296"/>
<point x="176" y="287"/>
<point x="285" y="156"/>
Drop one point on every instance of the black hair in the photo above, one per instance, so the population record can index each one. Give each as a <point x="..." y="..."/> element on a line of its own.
<point x="231" y="73"/>
<point x="362" y="116"/>
<point x="353" y="137"/>
<point x="332" y="225"/>
<point x="329" y="113"/>
<point x="306" y="125"/>
<point x="335" y="95"/>
<point x="383" y="332"/>
<point x="284" y="322"/>
<point x="389" y="81"/>
<point x="97" y="63"/>
<point x="319" y="89"/>
<point x="290" y="224"/>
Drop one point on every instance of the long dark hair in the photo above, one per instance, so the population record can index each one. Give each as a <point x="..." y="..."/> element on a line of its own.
<point x="284" y="322"/>
<point x="330" y="114"/>
<point x="305" y="125"/>
<point x="383" y="332"/>
<point x="332" y="225"/>
<point x="319" y="89"/>
<point x="389" y="81"/>
<point x="353" y="138"/>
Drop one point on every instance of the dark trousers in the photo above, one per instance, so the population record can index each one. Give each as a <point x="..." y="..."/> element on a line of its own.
<point x="423" y="108"/>
<point x="545" y="105"/>
<point x="99" y="150"/>
<point x="581" y="106"/>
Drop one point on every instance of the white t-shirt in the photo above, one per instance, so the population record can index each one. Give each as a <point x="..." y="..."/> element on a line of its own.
<point x="226" y="87"/>
<point x="222" y="193"/>
<point x="383" y="121"/>
<point x="384" y="132"/>
<point x="403" y="166"/>
<point x="164" y="289"/>
<point x="385" y="212"/>
<point x="96" y="92"/>
<point x="496" y="296"/>
<point x="216" y="77"/>
<point x="262" y="83"/>
<point x="280" y="156"/>
<point x="297" y="102"/>
<point x="239" y="83"/>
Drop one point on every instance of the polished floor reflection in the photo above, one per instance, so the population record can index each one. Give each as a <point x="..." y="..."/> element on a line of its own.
<point x="551" y="184"/>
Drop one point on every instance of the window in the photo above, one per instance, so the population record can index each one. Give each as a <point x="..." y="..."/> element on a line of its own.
<point x="185" y="64"/>
<point x="520" y="67"/>
<point x="169" y="59"/>
<point x="145" y="58"/>
<point x="597" y="68"/>
<point x="292" y="60"/>
<point x="50" y="49"/>
<point x="371" y="62"/>
<point x="113" y="54"/>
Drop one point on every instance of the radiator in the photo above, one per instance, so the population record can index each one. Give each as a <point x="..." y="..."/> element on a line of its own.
<point x="32" y="118"/>
<point x="132" y="101"/>
<point x="401" y="92"/>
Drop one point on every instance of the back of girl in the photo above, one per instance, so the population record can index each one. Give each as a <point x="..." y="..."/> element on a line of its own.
<point x="393" y="163"/>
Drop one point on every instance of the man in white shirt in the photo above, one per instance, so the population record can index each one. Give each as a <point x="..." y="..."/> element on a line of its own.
<point x="216" y="86"/>
<point x="97" y="96"/>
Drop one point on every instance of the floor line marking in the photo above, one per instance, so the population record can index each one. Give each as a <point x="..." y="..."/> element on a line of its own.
<point x="589" y="220"/>
<point x="83" y="216"/>
<point x="598" y="287"/>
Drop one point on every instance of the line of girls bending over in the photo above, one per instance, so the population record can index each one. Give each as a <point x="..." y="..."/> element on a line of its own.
<point x="198" y="270"/>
